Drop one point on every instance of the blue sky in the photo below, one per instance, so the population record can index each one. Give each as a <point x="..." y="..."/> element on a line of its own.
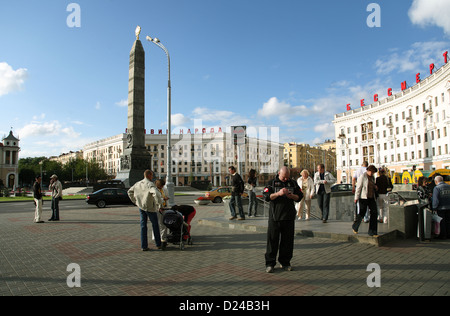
<point x="291" y="64"/>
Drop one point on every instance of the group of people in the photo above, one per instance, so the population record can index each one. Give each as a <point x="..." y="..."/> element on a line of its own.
<point x="436" y="196"/>
<point x="56" y="189"/>
<point x="370" y="197"/>
<point x="320" y="186"/>
<point x="283" y="194"/>
<point x="151" y="199"/>
<point x="237" y="188"/>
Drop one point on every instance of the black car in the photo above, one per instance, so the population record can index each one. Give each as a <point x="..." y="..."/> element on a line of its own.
<point x="341" y="187"/>
<point x="108" y="196"/>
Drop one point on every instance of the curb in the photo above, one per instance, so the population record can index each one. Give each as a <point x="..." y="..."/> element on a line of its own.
<point x="379" y="241"/>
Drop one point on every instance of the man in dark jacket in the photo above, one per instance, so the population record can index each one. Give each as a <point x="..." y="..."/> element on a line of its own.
<point x="237" y="188"/>
<point x="37" y="194"/>
<point x="282" y="193"/>
<point x="441" y="204"/>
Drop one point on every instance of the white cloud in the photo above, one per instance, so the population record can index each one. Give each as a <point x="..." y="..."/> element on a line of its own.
<point x="179" y="119"/>
<point x="326" y="130"/>
<point x="122" y="103"/>
<point x="98" y="105"/>
<point x="421" y="54"/>
<point x="49" y="138"/>
<point x="276" y="108"/>
<point x="11" y="80"/>
<point x="431" y="12"/>
<point x="44" y="129"/>
<point x="219" y="117"/>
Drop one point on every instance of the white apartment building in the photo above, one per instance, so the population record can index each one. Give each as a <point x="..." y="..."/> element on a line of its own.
<point x="406" y="129"/>
<point x="200" y="155"/>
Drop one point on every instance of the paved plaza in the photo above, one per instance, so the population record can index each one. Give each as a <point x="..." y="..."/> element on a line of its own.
<point x="223" y="261"/>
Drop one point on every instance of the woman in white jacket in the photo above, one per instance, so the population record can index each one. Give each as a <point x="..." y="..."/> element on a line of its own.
<point x="306" y="184"/>
<point x="365" y="195"/>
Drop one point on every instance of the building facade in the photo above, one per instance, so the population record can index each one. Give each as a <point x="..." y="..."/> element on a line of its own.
<point x="67" y="157"/>
<point x="9" y="161"/>
<point x="195" y="156"/>
<point x="304" y="156"/>
<point x="405" y="131"/>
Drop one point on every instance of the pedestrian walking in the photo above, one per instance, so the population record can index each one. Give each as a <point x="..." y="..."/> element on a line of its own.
<point x="358" y="173"/>
<point x="323" y="181"/>
<point x="237" y="188"/>
<point x="365" y="195"/>
<point x="37" y="195"/>
<point x="149" y="201"/>
<point x="441" y="204"/>
<point x="252" y="201"/>
<point x="306" y="184"/>
<point x="56" y="188"/>
<point x="282" y="193"/>
<point x="383" y="184"/>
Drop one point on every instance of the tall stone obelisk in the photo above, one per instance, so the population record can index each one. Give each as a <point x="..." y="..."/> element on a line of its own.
<point x="135" y="158"/>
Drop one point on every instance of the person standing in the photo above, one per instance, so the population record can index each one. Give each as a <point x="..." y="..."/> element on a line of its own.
<point x="423" y="192"/>
<point x="160" y="185"/>
<point x="237" y="188"/>
<point x="149" y="201"/>
<point x="282" y="193"/>
<point x="306" y="184"/>
<point x="252" y="201"/>
<point x="37" y="194"/>
<point x="56" y="188"/>
<point x="358" y="173"/>
<point x="383" y="184"/>
<point x="365" y="195"/>
<point x="323" y="181"/>
<point x="441" y="204"/>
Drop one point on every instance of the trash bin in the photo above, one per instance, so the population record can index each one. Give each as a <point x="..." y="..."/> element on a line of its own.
<point x="424" y="222"/>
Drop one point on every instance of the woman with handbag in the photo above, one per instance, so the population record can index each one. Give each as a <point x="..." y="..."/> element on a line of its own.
<point x="365" y="195"/>
<point x="306" y="184"/>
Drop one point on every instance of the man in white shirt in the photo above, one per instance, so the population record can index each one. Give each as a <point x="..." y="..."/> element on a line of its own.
<point x="149" y="201"/>
<point x="323" y="180"/>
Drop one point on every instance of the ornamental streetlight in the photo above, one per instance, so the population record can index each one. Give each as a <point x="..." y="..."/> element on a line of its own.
<point x="169" y="182"/>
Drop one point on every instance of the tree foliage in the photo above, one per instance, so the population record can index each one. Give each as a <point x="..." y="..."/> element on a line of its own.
<point x="73" y="171"/>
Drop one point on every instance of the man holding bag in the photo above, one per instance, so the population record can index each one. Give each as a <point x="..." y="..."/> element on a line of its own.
<point x="441" y="204"/>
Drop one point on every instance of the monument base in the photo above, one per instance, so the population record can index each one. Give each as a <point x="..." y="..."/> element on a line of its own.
<point x="132" y="167"/>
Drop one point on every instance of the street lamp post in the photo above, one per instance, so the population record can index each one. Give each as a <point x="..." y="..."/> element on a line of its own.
<point x="169" y="183"/>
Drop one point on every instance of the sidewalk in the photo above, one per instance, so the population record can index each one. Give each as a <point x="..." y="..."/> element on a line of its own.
<point x="105" y="244"/>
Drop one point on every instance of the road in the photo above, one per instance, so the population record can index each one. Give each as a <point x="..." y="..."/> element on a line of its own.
<point x="67" y="205"/>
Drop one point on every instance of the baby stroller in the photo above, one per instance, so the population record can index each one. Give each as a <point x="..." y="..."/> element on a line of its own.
<point x="178" y="220"/>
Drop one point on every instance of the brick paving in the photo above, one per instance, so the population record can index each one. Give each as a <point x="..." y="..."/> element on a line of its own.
<point x="105" y="243"/>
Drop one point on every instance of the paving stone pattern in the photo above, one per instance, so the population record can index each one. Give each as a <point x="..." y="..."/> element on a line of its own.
<point x="105" y="243"/>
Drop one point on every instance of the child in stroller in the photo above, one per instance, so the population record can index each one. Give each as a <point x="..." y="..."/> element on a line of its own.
<point x="177" y="220"/>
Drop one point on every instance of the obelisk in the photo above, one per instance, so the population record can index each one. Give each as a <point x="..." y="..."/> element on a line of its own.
<point x="135" y="158"/>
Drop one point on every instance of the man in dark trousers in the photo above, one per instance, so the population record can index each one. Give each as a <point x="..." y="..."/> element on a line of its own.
<point x="282" y="193"/>
<point x="441" y="204"/>
<point x="37" y="195"/>
<point x="237" y="188"/>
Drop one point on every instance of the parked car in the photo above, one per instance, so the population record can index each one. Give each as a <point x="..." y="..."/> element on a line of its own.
<point x="218" y="194"/>
<point x="341" y="187"/>
<point x="108" y="196"/>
